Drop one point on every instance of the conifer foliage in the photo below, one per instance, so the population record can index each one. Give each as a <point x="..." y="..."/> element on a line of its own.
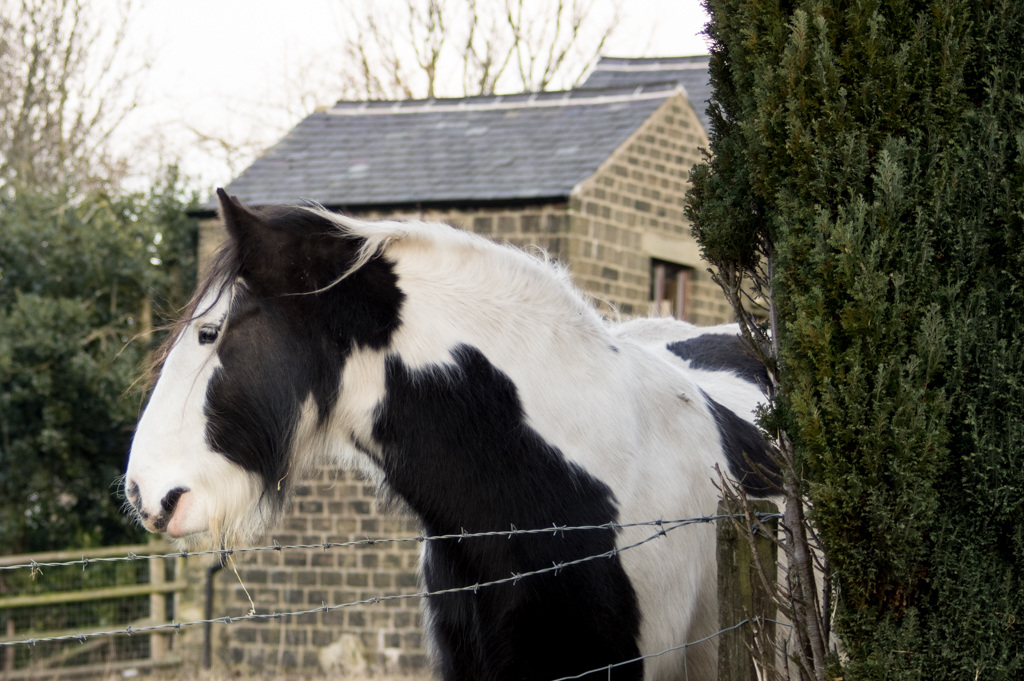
<point x="869" y="155"/>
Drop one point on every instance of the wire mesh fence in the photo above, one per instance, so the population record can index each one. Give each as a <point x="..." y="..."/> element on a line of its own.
<point x="70" y="600"/>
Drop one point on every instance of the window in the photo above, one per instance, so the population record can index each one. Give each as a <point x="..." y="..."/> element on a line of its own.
<point x="670" y="289"/>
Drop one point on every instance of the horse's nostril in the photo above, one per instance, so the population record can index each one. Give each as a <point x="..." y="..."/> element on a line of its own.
<point x="134" y="496"/>
<point x="170" y="502"/>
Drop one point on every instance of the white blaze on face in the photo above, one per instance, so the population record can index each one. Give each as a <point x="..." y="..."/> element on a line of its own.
<point x="175" y="482"/>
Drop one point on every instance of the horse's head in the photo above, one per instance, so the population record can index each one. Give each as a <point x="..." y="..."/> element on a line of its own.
<point x="252" y="371"/>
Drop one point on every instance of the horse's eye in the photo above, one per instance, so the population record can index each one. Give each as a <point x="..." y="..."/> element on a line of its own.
<point x="208" y="334"/>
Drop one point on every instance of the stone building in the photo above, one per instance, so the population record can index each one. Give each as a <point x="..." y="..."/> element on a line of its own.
<point x="596" y="176"/>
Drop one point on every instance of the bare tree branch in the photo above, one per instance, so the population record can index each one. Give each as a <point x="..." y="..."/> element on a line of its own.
<point x="454" y="48"/>
<point x="804" y="595"/>
<point x="62" y="92"/>
<point x="487" y="54"/>
<point x="430" y="22"/>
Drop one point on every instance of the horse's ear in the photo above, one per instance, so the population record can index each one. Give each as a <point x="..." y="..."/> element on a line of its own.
<point x="250" y="233"/>
<point x="242" y="224"/>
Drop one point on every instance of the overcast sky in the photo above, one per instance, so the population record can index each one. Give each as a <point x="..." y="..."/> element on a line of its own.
<point x="228" y="68"/>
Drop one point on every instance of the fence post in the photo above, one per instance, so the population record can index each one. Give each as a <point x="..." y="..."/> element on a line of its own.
<point x="8" y="654"/>
<point x="742" y="594"/>
<point x="157" y="608"/>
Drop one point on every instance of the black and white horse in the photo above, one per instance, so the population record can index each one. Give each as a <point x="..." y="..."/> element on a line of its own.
<point x="473" y="381"/>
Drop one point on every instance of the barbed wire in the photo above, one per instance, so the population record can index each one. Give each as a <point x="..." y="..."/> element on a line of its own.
<point x="664" y="527"/>
<point x="682" y="646"/>
<point x="36" y="566"/>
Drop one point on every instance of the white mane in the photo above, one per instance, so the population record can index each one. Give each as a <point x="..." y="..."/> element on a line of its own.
<point x="506" y="276"/>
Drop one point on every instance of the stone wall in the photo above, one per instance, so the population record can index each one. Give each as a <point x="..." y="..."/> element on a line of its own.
<point x="628" y="212"/>
<point x="383" y="638"/>
<point x="543" y="226"/>
<point x="631" y="210"/>
<point x="615" y="222"/>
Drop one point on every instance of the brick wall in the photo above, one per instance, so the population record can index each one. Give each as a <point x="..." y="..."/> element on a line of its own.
<point x="631" y="210"/>
<point x="600" y="235"/>
<point x="335" y="507"/>
<point x="604" y="233"/>
<point x="543" y="225"/>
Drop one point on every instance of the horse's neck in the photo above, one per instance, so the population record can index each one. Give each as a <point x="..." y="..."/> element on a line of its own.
<point x="505" y="303"/>
<point x="595" y="398"/>
<point x="526" y="322"/>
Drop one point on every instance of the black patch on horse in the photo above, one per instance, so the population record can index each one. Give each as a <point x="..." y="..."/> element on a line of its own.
<point x="457" y="448"/>
<point x="749" y="459"/>
<point x="285" y="339"/>
<point x="722" y="352"/>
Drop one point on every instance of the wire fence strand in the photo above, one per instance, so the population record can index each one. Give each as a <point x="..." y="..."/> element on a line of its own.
<point x="681" y="646"/>
<point x="663" y="527"/>
<point x="36" y="566"/>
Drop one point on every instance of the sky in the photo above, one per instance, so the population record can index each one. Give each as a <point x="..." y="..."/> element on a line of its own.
<point x="231" y="69"/>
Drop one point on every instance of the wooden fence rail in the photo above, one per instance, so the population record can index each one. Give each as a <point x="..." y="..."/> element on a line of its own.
<point x="50" y="603"/>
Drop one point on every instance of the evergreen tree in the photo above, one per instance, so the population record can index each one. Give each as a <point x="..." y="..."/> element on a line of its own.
<point x="873" y="153"/>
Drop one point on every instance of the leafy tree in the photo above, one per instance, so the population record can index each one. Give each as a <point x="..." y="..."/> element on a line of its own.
<point x="77" y="281"/>
<point x="867" y="184"/>
<point x="81" y="266"/>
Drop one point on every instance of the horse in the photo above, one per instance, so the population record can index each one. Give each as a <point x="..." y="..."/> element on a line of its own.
<point x="471" y="380"/>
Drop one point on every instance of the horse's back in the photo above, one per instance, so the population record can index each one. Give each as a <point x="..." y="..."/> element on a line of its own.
<point x="714" y="358"/>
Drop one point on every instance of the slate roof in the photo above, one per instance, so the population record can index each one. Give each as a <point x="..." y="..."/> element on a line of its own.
<point x="690" y="72"/>
<point x="507" y="148"/>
